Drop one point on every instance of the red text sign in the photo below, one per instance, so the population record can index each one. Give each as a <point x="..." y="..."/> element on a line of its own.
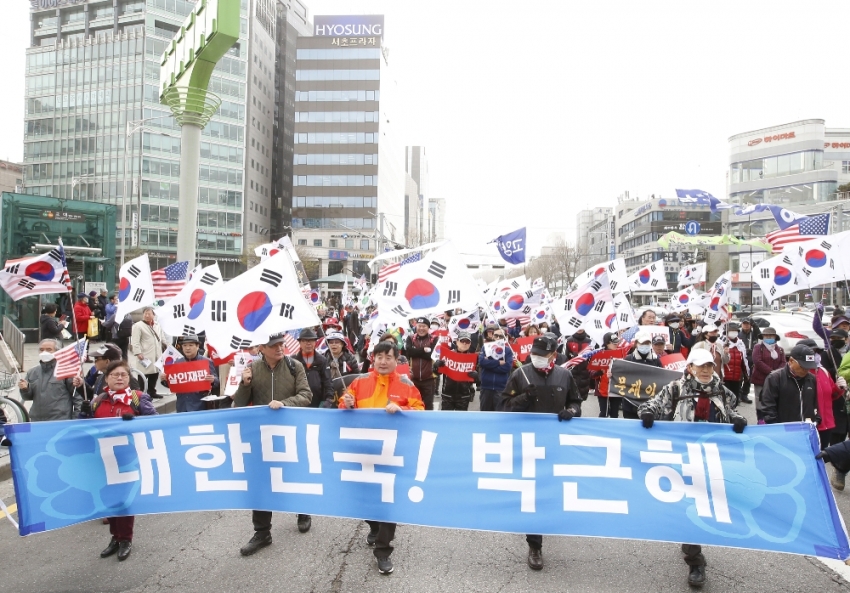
<point x="188" y="377"/>
<point x="522" y="347"/>
<point x="674" y="362"/>
<point x="457" y="365"/>
<point x="601" y="361"/>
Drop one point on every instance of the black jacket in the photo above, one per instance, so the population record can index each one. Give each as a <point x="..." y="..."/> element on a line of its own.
<point x="651" y="359"/>
<point x="750" y="340"/>
<point x="318" y="377"/>
<point x="582" y="378"/>
<point x="786" y="398"/>
<point x="680" y="340"/>
<point x="421" y="364"/>
<point x="550" y="392"/>
<point x="457" y="389"/>
<point x="352" y="327"/>
<point x="574" y="345"/>
<point x="50" y="327"/>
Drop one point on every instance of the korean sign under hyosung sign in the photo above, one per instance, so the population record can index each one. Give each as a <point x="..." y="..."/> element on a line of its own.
<point x="349" y="26"/>
<point x="45" y="4"/>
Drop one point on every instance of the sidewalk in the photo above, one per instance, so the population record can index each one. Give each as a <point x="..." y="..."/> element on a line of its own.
<point x="166" y="405"/>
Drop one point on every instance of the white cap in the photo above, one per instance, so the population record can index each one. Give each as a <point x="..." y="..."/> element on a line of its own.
<point x="700" y="356"/>
<point x="642" y="337"/>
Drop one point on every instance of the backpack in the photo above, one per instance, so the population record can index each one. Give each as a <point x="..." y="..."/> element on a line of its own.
<point x="125" y="328"/>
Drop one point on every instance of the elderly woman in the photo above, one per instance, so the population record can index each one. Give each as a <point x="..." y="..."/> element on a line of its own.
<point x="146" y="345"/>
<point x="118" y="401"/>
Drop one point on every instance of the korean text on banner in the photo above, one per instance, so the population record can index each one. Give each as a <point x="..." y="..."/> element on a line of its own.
<point x="188" y="377"/>
<point x="522" y="347"/>
<point x="601" y="361"/>
<point x="638" y="382"/>
<point x="457" y="365"/>
<point x="674" y="362"/>
<point x="516" y="473"/>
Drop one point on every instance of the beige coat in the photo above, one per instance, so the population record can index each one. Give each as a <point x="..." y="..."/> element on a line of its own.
<point x="146" y="340"/>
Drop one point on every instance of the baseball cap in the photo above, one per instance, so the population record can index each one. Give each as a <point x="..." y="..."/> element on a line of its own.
<point x="610" y="338"/>
<point x="810" y="343"/>
<point x="424" y="320"/>
<point x="839" y="333"/>
<point x="642" y="337"/>
<point x="82" y="295"/>
<point x="543" y="345"/>
<point x="334" y="336"/>
<point x="804" y="356"/>
<point x="463" y="335"/>
<point x="700" y="357"/>
<point x="659" y="340"/>
<point x="107" y="352"/>
<point x="732" y="327"/>
<point x="275" y="339"/>
<point x="190" y="338"/>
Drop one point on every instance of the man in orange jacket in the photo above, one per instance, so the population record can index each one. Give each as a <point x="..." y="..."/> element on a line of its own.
<point x="384" y="388"/>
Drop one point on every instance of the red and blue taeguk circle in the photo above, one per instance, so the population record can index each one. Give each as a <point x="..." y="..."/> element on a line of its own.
<point x="683" y="298"/>
<point x="421" y="294"/>
<point x="598" y="272"/>
<point x="516" y="302"/>
<point x="644" y="276"/>
<point x="540" y="315"/>
<point x="715" y="303"/>
<point x="124" y="288"/>
<point x="196" y="303"/>
<point x="40" y="270"/>
<point x="609" y="321"/>
<point x="463" y="323"/>
<point x="253" y="310"/>
<point x="497" y="305"/>
<point x="781" y="275"/>
<point x="815" y="258"/>
<point x="584" y="304"/>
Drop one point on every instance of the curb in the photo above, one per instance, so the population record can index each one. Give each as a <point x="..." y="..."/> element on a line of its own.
<point x="166" y="405"/>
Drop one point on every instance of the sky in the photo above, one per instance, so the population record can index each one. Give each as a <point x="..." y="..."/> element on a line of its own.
<point x="531" y="111"/>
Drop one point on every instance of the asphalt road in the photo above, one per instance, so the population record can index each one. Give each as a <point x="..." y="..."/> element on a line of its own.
<point x="200" y="552"/>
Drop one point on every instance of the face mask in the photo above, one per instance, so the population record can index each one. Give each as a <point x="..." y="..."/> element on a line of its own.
<point x="732" y="336"/>
<point x="675" y="325"/>
<point x="539" y="362"/>
<point x="45" y="356"/>
<point x="769" y="341"/>
<point x="817" y="359"/>
<point x="644" y="348"/>
<point x="838" y="345"/>
<point x="713" y="339"/>
<point x="702" y="382"/>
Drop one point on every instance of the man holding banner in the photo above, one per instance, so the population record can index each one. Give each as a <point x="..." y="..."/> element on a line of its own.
<point x="276" y="381"/>
<point x="697" y="397"/>
<point x="457" y="364"/>
<point x="192" y="401"/>
<point x="542" y="388"/>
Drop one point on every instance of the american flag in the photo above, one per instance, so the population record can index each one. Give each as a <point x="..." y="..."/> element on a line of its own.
<point x="69" y="360"/>
<point x="579" y="358"/>
<point x="170" y="280"/>
<point x="291" y="344"/>
<point x="391" y="269"/>
<point x="806" y="229"/>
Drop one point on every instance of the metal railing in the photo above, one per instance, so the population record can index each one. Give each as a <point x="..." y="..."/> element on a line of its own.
<point x="14" y="339"/>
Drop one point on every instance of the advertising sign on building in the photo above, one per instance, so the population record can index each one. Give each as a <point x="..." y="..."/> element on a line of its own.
<point x="350" y="30"/>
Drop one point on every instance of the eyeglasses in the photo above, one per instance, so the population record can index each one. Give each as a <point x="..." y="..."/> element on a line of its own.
<point x="119" y="375"/>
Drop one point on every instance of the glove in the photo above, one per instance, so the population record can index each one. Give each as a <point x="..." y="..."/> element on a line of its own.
<point x="566" y="414"/>
<point x="128" y="416"/>
<point x="823" y="455"/>
<point x="438" y="364"/>
<point x="738" y="424"/>
<point x="521" y="401"/>
<point x="85" y="408"/>
<point x="648" y="419"/>
<point x="472" y="375"/>
<point x="531" y="391"/>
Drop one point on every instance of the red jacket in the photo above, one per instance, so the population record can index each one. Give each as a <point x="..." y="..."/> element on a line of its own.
<point x="828" y="392"/>
<point x="82" y="314"/>
<point x="764" y="363"/>
<point x="734" y="369"/>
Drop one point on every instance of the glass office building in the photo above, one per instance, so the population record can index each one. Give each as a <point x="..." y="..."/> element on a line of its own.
<point x="93" y="105"/>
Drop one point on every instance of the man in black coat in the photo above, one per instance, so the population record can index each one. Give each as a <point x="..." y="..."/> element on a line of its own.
<point x="678" y="338"/>
<point x="351" y="325"/>
<point x="790" y="394"/>
<point x="418" y="348"/>
<point x="542" y="387"/>
<point x="642" y="354"/>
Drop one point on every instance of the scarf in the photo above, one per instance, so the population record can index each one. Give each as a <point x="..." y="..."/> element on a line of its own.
<point x="124" y="396"/>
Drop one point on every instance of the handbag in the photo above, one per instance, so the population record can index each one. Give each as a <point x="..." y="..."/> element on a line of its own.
<point x="94" y="328"/>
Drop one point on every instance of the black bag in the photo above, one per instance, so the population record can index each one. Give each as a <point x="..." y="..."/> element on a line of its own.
<point x="125" y="328"/>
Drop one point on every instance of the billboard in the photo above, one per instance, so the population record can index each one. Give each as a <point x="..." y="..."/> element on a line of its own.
<point x="349" y="26"/>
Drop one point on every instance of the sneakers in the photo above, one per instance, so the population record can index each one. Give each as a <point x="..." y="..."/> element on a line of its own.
<point x="535" y="558"/>
<point x="371" y="538"/>
<point x="745" y="400"/>
<point x="696" y="577"/>
<point x="256" y="543"/>
<point x="124" y="549"/>
<point x="837" y="480"/>
<point x="304" y="523"/>
<point x="385" y="565"/>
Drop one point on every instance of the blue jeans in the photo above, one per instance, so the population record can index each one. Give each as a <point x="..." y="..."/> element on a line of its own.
<point x="191" y="402"/>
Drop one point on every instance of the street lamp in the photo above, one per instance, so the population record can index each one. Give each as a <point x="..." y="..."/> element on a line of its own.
<point x="133" y="127"/>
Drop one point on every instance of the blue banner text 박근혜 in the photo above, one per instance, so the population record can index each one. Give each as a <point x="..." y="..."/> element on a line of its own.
<point x="519" y="473"/>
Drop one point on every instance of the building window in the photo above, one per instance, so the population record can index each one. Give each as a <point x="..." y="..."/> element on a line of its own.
<point x="333" y="243"/>
<point x="845" y="167"/>
<point x="349" y="243"/>
<point x="364" y="244"/>
<point x="317" y="242"/>
<point x="302" y="241"/>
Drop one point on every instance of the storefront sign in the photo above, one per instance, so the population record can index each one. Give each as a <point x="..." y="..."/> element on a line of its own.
<point x="62" y="216"/>
<point x="338" y="255"/>
<point x="836" y="144"/>
<point x="774" y="138"/>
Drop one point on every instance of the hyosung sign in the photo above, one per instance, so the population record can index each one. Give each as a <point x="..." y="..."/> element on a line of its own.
<point x="349" y="26"/>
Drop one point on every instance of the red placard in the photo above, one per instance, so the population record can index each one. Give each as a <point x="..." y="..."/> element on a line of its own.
<point x="403" y="369"/>
<point x="522" y="347"/>
<point x="188" y="377"/>
<point x="674" y="362"/>
<point x="457" y="365"/>
<point x="601" y="361"/>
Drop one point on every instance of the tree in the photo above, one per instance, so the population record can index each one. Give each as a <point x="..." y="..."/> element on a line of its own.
<point x="558" y="265"/>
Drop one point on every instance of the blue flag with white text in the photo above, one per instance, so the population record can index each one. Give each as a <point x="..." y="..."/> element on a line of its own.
<point x="512" y="246"/>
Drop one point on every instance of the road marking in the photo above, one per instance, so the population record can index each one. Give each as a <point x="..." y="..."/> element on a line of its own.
<point x="837" y="566"/>
<point x="11" y="509"/>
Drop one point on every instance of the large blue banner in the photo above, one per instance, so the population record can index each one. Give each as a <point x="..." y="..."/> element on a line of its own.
<point x="520" y="473"/>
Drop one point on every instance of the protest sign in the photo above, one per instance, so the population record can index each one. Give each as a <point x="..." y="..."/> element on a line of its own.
<point x="403" y="369"/>
<point x="638" y="382"/>
<point x="188" y="377"/>
<point x="596" y="477"/>
<point x="457" y="365"/>
<point x="674" y="362"/>
<point x="656" y="330"/>
<point x="602" y="360"/>
<point x="522" y="347"/>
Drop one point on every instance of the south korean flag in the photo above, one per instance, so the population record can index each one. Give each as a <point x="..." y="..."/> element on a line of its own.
<point x="263" y="301"/>
<point x="777" y="277"/>
<point x="183" y="314"/>
<point x="135" y="286"/>
<point x="586" y="304"/>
